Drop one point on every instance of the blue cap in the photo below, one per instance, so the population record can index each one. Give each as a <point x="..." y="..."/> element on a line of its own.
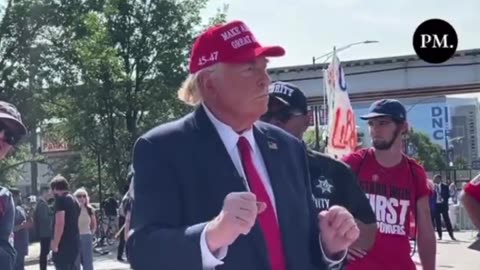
<point x="386" y="107"/>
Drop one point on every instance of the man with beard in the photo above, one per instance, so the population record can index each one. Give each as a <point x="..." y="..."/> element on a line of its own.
<point x="397" y="189"/>
<point x="66" y="236"/>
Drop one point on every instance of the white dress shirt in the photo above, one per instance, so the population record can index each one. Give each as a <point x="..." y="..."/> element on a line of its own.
<point x="230" y="139"/>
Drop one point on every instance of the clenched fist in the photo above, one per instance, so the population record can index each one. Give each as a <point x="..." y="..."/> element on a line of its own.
<point x="238" y="215"/>
<point x="338" y="230"/>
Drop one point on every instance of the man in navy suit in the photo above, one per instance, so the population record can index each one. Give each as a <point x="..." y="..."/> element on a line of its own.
<point x="217" y="189"/>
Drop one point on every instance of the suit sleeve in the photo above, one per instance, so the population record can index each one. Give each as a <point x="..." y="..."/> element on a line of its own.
<point x="320" y="260"/>
<point x="159" y="240"/>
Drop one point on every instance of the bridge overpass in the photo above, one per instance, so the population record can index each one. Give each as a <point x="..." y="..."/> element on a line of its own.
<point x="402" y="77"/>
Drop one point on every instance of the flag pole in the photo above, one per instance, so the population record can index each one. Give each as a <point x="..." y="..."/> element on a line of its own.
<point x="326" y="101"/>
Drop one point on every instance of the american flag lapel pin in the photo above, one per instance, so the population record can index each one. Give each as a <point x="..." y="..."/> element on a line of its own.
<point x="272" y="145"/>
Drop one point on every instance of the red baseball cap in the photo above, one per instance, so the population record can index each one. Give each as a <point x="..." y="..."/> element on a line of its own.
<point x="228" y="43"/>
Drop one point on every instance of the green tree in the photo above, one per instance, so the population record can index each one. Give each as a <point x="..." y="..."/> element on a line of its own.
<point x="22" y="55"/>
<point x="119" y="70"/>
<point x="460" y="163"/>
<point x="427" y="153"/>
<point x="309" y="138"/>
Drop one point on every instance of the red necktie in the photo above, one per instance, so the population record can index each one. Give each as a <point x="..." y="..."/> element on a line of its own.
<point x="267" y="220"/>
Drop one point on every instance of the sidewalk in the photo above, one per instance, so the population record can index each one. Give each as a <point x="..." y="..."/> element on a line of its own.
<point x="456" y="255"/>
<point x="451" y="255"/>
<point x="34" y="253"/>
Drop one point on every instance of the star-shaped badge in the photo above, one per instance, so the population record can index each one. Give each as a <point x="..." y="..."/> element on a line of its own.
<point x="324" y="185"/>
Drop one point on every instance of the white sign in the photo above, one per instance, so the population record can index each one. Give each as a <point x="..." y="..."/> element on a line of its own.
<point x="342" y="129"/>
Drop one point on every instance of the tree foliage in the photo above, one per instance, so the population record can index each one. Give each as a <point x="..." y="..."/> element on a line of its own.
<point x="98" y="73"/>
<point x="427" y="153"/>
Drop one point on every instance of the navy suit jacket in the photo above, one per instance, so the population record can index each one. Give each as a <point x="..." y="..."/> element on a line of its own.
<point x="183" y="173"/>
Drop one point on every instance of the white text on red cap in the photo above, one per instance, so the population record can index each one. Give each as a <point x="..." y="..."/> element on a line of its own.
<point x="236" y="31"/>
<point x="205" y="59"/>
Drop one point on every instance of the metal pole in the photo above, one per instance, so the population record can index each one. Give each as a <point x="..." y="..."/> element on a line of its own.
<point x="99" y="171"/>
<point x="317" y="135"/>
<point x="99" y="168"/>
<point x="315" y="118"/>
<point x="447" y="150"/>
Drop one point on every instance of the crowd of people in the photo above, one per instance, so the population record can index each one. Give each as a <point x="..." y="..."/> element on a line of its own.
<point x="232" y="184"/>
<point x="64" y="222"/>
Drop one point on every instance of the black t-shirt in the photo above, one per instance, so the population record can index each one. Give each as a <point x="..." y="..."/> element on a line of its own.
<point x="111" y="206"/>
<point x="333" y="183"/>
<point x="70" y="241"/>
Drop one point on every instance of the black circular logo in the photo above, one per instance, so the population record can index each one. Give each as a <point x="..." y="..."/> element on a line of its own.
<point x="435" y="41"/>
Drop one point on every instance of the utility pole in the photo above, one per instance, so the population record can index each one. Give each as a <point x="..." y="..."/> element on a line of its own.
<point x="33" y="129"/>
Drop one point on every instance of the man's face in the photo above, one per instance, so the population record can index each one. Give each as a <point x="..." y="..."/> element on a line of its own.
<point x="296" y="125"/>
<point x="241" y="90"/>
<point x="56" y="192"/>
<point x="437" y="180"/>
<point x="46" y="194"/>
<point x="384" y="132"/>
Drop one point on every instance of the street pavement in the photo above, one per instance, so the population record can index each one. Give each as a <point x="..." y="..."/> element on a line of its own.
<point x="456" y="254"/>
<point x="101" y="262"/>
<point x="452" y="255"/>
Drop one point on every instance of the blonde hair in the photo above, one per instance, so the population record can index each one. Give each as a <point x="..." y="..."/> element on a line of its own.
<point x="83" y="191"/>
<point x="189" y="92"/>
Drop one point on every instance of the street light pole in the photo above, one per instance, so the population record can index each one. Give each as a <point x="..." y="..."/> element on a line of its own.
<point x="346" y="47"/>
<point x="328" y="55"/>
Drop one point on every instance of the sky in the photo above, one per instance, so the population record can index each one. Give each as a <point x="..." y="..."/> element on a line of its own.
<point x="307" y="28"/>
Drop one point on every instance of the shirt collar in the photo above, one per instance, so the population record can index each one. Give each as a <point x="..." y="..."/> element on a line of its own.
<point x="227" y="134"/>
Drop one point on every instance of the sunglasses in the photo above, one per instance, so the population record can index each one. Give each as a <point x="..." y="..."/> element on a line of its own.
<point x="7" y="134"/>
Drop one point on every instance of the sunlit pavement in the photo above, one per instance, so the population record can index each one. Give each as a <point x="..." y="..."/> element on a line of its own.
<point x="455" y="254"/>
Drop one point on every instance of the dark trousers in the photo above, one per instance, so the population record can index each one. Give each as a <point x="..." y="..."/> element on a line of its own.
<point x="66" y="257"/>
<point x="63" y="262"/>
<point x="121" y="244"/>
<point x="44" y="250"/>
<point x="441" y="210"/>
<point x="65" y="266"/>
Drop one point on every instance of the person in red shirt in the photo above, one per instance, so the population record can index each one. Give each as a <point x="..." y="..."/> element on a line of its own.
<point x="397" y="189"/>
<point x="470" y="198"/>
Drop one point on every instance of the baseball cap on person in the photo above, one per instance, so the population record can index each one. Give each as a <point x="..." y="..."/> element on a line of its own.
<point x="387" y="107"/>
<point x="290" y="95"/>
<point x="228" y="43"/>
<point x="12" y="120"/>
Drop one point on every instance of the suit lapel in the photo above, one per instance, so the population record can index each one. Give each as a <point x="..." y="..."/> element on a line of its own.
<point x="213" y="158"/>
<point x="274" y="162"/>
<point x="221" y="176"/>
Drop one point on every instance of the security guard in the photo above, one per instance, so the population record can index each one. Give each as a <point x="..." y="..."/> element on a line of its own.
<point x="332" y="182"/>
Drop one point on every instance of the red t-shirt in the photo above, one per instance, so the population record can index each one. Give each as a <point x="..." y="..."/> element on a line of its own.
<point x="473" y="188"/>
<point x="393" y="193"/>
